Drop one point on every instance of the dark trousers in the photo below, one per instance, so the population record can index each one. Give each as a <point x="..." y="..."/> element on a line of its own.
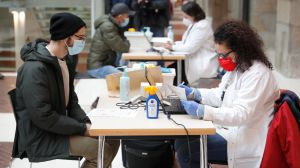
<point x="216" y="151"/>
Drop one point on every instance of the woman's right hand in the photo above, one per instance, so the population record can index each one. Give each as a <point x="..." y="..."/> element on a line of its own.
<point x="187" y="89"/>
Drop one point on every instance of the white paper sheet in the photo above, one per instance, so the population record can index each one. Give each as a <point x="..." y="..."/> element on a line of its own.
<point x="180" y="92"/>
<point x="120" y="113"/>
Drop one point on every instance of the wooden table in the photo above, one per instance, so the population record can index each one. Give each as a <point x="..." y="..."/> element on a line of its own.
<point x="138" y="125"/>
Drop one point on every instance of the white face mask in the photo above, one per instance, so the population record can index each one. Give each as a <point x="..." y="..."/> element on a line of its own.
<point x="77" y="47"/>
<point x="187" y="22"/>
<point x="125" y="23"/>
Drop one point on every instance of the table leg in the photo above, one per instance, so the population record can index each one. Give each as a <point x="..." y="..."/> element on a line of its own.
<point x="203" y="151"/>
<point x="179" y="71"/>
<point x="101" y="140"/>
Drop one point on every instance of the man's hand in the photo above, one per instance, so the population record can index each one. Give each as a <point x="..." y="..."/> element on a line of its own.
<point x="88" y="127"/>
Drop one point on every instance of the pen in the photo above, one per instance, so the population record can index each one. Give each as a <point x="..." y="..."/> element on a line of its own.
<point x="95" y="103"/>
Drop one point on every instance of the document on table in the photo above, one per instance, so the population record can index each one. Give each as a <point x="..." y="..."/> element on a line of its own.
<point x="180" y="92"/>
<point x="120" y="113"/>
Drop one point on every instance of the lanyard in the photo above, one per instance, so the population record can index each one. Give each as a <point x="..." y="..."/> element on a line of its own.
<point x="187" y="34"/>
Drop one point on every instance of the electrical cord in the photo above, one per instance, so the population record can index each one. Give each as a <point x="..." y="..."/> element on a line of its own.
<point x="170" y="118"/>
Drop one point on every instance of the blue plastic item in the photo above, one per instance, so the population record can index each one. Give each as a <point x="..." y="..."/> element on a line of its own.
<point x="165" y="70"/>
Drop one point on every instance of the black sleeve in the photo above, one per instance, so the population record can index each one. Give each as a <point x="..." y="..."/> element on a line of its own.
<point x="159" y="4"/>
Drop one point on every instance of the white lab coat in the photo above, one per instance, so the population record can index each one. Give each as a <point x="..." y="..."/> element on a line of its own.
<point x="245" y="112"/>
<point x="201" y="61"/>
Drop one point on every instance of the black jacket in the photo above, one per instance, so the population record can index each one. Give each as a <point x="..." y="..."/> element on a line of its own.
<point x="45" y="122"/>
<point x="151" y="13"/>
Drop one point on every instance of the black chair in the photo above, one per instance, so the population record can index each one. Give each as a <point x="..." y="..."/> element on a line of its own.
<point x="14" y="154"/>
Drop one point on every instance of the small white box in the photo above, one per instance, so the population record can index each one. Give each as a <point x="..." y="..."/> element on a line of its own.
<point x="168" y="78"/>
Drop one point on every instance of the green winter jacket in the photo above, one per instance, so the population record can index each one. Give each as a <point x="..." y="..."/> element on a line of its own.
<point x="45" y="123"/>
<point x="107" y="41"/>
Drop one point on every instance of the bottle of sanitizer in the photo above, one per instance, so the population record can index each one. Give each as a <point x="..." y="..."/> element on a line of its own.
<point x="124" y="86"/>
<point x="170" y="34"/>
<point x="152" y="103"/>
<point x="148" y="33"/>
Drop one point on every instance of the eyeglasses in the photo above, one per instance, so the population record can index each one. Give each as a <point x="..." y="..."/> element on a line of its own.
<point x="80" y="37"/>
<point x="223" y="55"/>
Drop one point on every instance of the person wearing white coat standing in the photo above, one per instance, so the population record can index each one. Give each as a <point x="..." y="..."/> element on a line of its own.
<point x="197" y="41"/>
<point x="240" y="107"/>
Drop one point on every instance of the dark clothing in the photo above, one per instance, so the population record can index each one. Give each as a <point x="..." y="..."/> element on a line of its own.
<point x="158" y="31"/>
<point x="45" y="123"/>
<point x="216" y="151"/>
<point x="155" y="13"/>
<point x="107" y="41"/>
<point x="293" y="101"/>
<point x="127" y="2"/>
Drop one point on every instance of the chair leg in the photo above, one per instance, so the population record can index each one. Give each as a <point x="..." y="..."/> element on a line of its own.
<point x="10" y="163"/>
<point x="78" y="162"/>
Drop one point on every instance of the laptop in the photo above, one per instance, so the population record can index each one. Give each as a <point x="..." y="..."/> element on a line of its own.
<point x="175" y="106"/>
<point x="138" y="40"/>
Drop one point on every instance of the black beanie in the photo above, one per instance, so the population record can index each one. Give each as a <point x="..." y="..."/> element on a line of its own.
<point x="63" y="25"/>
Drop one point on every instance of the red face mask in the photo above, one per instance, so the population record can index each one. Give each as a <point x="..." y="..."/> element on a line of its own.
<point x="227" y="63"/>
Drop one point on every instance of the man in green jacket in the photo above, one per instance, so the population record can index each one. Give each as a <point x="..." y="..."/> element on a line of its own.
<point x="51" y="124"/>
<point x="108" y="42"/>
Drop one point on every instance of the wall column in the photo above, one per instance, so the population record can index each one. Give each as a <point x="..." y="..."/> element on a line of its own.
<point x="287" y="60"/>
<point x="97" y="10"/>
<point x="19" y="28"/>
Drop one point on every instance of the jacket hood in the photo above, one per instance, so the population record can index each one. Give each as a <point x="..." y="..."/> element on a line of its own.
<point x="104" y="19"/>
<point x="36" y="51"/>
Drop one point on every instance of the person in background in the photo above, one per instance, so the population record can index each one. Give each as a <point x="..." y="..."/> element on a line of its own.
<point x="197" y="41"/>
<point x="128" y="3"/>
<point x="152" y="13"/>
<point x="240" y="107"/>
<point x="52" y="124"/>
<point x="108" y="40"/>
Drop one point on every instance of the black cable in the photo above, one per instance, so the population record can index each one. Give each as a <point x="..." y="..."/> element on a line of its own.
<point x="187" y="137"/>
<point x="170" y="118"/>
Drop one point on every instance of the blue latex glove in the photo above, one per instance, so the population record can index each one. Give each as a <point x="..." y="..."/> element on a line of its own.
<point x="193" y="108"/>
<point x="187" y="89"/>
<point x="197" y="95"/>
<point x="191" y="93"/>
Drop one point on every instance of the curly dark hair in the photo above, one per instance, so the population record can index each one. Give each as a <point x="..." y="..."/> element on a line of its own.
<point x="244" y="41"/>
